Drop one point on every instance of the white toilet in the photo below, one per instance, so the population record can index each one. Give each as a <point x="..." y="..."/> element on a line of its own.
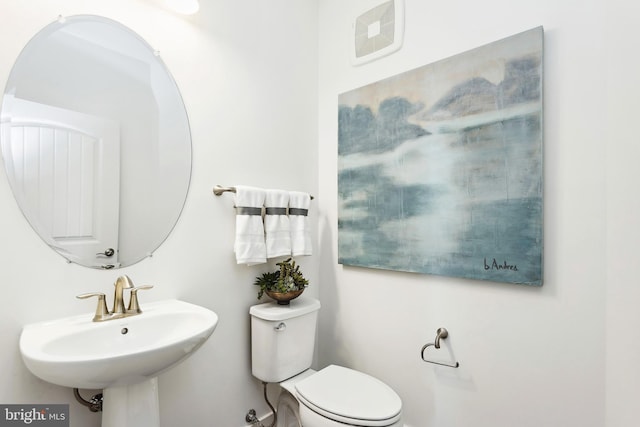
<point x="282" y="344"/>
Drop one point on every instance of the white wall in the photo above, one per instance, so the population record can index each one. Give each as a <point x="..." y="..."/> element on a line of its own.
<point x="529" y="356"/>
<point x="623" y="208"/>
<point x="250" y="92"/>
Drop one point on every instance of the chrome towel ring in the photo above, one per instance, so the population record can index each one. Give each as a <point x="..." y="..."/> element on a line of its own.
<point x="441" y="334"/>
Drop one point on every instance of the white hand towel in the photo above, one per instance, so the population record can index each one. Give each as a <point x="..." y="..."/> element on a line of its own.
<point x="276" y="223"/>
<point x="298" y="223"/>
<point x="249" y="244"/>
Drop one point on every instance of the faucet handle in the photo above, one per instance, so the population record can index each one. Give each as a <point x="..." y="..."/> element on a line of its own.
<point x="102" y="311"/>
<point x="134" y="307"/>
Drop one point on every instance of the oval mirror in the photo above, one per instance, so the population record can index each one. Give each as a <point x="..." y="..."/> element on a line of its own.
<point x="96" y="143"/>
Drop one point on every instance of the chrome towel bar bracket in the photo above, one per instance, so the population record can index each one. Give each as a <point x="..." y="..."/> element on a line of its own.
<point x="441" y="334"/>
<point x="218" y="190"/>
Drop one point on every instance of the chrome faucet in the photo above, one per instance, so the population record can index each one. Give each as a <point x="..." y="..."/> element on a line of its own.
<point x="118" y="312"/>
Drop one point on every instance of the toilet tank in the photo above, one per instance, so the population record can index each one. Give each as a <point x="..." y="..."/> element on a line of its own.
<point x="283" y="338"/>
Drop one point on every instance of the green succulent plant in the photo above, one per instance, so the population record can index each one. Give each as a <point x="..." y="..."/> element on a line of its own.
<point x="286" y="278"/>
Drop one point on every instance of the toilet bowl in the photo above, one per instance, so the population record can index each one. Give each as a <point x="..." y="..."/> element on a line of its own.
<point x="335" y="396"/>
<point x="288" y="407"/>
<point x="283" y="340"/>
<point x="287" y="410"/>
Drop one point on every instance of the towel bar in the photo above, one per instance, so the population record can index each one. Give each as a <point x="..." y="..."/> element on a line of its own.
<point x="441" y="334"/>
<point x="218" y="190"/>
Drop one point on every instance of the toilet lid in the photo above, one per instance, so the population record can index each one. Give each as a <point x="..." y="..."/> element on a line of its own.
<point x="349" y="396"/>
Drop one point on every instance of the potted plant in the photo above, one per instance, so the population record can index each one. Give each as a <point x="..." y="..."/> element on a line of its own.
<point x="283" y="284"/>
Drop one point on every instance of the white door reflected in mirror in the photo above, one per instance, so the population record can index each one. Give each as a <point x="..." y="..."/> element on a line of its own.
<point x="118" y="186"/>
<point x="64" y="166"/>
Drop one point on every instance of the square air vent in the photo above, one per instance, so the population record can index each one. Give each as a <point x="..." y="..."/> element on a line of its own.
<point x="378" y="32"/>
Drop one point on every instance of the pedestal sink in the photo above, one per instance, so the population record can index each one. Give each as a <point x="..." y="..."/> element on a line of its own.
<point x="123" y="356"/>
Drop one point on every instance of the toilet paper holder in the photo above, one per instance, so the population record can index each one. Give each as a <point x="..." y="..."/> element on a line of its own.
<point x="441" y="334"/>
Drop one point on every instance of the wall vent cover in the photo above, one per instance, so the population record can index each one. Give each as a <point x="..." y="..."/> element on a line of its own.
<point x="378" y="32"/>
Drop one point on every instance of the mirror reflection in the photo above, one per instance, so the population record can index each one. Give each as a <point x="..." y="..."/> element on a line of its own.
<point x="95" y="141"/>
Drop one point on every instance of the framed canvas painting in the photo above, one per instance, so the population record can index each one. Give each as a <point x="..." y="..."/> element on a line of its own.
<point x="440" y="169"/>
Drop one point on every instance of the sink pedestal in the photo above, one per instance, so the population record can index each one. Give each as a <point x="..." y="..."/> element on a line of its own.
<point x="134" y="405"/>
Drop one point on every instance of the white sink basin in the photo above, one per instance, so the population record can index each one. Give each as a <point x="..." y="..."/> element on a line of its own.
<point x="77" y="352"/>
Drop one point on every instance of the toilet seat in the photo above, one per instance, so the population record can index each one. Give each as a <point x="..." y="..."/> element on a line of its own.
<point x="350" y="397"/>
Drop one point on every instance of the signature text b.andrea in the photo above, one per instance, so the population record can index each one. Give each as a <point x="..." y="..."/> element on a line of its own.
<point x="494" y="265"/>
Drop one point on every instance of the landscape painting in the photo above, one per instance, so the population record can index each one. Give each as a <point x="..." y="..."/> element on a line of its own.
<point x="440" y="169"/>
